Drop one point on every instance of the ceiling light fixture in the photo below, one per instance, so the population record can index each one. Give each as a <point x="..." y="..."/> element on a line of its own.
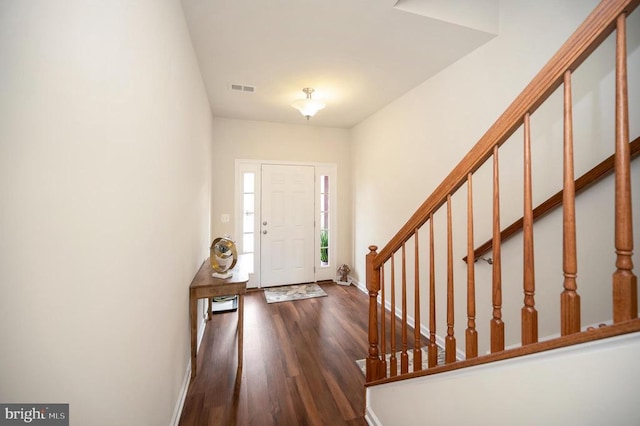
<point x="308" y="107"/>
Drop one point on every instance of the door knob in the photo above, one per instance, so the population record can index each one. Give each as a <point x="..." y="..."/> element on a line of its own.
<point x="264" y="223"/>
<point x="264" y="232"/>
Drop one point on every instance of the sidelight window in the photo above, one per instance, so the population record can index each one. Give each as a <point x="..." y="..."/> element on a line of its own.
<point x="248" y="216"/>
<point x="324" y="220"/>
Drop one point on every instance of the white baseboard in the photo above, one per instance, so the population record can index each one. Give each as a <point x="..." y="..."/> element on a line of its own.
<point x="424" y="331"/>
<point x="177" y="411"/>
<point x="460" y="355"/>
<point x="360" y="287"/>
<point x="370" y="417"/>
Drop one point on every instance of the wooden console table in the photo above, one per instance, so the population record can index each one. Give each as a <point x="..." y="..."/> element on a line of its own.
<point x="205" y="286"/>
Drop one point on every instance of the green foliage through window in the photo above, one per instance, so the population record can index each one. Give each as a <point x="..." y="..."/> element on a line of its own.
<point x="324" y="246"/>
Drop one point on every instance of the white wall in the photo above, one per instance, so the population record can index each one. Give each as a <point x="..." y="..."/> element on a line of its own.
<point x="259" y="140"/>
<point x="401" y="153"/>
<point x="579" y="385"/>
<point x="105" y="134"/>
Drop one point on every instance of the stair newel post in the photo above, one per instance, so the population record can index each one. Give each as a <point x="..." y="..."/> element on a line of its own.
<point x="529" y="315"/>
<point x="569" y="299"/>
<point x="450" y="340"/>
<point x="433" y="347"/>
<point x="373" y="286"/>
<point x="471" y="337"/>
<point x="497" y="325"/>
<point x="625" y="283"/>
<point x="417" y="350"/>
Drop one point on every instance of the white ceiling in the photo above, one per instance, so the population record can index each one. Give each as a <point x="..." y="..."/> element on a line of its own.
<point x="358" y="55"/>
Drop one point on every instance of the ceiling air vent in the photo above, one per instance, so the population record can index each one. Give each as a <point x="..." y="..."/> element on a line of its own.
<point x="243" y="88"/>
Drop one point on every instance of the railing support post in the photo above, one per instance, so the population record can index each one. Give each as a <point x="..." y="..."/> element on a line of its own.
<point x="433" y="347"/>
<point x="569" y="299"/>
<point x="450" y="339"/>
<point x="373" y="286"/>
<point x="625" y="283"/>
<point x="497" y="325"/>
<point x="471" y="335"/>
<point x="528" y="313"/>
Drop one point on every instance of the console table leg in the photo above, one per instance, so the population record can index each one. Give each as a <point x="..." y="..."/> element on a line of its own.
<point x="240" y="328"/>
<point x="193" y="313"/>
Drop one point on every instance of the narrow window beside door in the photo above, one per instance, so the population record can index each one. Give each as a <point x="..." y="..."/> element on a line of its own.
<point x="324" y="220"/>
<point x="248" y="222"/>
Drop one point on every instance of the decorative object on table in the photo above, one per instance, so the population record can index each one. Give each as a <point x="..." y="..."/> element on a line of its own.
<point x="223" y="256"/>
<point x="293" y="292"/>
<point x="343" y="275"/>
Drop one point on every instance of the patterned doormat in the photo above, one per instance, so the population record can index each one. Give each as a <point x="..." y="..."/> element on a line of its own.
<point x="293" y="292"/>
<point x="425" y="360"/>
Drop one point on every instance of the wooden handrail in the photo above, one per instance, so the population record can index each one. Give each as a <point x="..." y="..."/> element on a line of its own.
<point x="593" y="31"/>
<point x="602" y="170"/>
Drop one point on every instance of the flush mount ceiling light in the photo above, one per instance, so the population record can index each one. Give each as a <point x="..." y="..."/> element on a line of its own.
<point x="308" y="107"/>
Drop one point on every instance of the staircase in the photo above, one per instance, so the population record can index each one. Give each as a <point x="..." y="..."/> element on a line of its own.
<point x="401" y="266"/>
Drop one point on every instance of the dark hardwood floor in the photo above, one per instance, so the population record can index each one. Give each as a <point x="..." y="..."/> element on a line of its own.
<point x="299" y="363"/>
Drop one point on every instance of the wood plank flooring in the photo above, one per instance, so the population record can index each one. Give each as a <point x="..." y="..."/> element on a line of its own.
<point x="299" y="364"/>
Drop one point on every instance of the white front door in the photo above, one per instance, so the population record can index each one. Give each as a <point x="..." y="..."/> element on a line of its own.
<point x="287" y="240"/>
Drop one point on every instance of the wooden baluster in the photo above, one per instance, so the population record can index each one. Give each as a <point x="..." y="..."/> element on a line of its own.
<point x="450" y="340"/>
<point x="471" y="333"/>
<point x="383" y="326"/>
<point x="625" y="283"/>
<point x="497" y="326"/>
<point x="417" y="350"/>
<point x="404" y="357"/>
<point x="433" y="347"/>
<point x="569" y="299"/>
<point x="529" y="315"/>
<point x="393" y="360"/>
<point x="373" y="286"/>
